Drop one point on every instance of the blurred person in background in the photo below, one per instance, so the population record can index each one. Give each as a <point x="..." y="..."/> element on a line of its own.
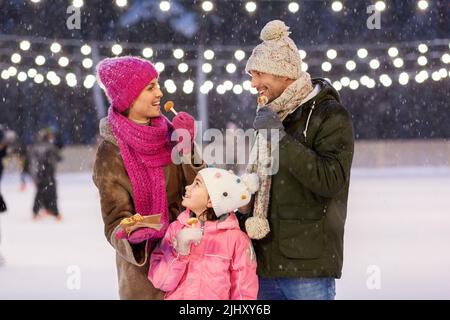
<point x="7" y="137"/>
<point x="44" y="155"/>
<point x="3" y="147"/>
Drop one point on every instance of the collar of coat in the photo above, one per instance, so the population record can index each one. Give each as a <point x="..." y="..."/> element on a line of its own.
<point x="229" y="223"/>
<point x="106" y="132"/>
<point x="327" y="92"/>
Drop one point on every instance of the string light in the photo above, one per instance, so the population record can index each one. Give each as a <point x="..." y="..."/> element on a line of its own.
<point x="422" y="48"/>
<point x="40" y="60"/>
<point x="32" y="72"/>
<point x="345" y="81"/>
<point x="326" y="66"/>
<point x="331" y="54"/>
<point x="116" y="49"/>
<point x="247" y="85"/>
<point x="16" y="58"/>
<point x="422" y="5"/>
<point x="337" y="85"/>
<point x="380" y="6"/>
<point x="25" y="45"/>
<point x="85" y="49"/>
<point x="221" y="89"/>
<point x="374" y="64"/>
<point x="422" y="60"/>
<point x="183" y="67"/>
<point x="206" y="67"/>
<point x="239" y="55"/>
<point x="12" y="71"/>
<point x="231" y="67"/>
<point x="293" y="7"/>
<point x="362" y="53"/>
<point x="304" y="66"/>
<point x="22" y="76"/>
<point x="228" y="85"/>
<point x="55" y="47"/>
<point x="121" y="3"/>
<point x="398" y="62"/>
<point x="302" y="54"/>
<point x="354" y="84"/>
<point x="170" y="86"/>
<point x="350" y="65"/>
<point x="63" y="61"/>
<point x="250" y="6"/>
<point x="403" y="78"/>
<point x="208" y="54"/>
<point x="147" y="52"/>
<point x="207" y="6"/>
<point x="87" y="63"/>
<point x="39" y="78"/>
<point x="164" y="6"/>
<point x="89" y="81"/>
<point x="77" y="3"/>
<point x="336" y="6"/>
<point x="393" y="52"/>
<point x="159" y="66"/>
<point x="178" y="53"/>
<point x="237" y="89"/>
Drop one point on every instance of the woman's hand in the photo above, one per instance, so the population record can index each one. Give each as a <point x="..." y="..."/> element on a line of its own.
<point x="184" y="120"/>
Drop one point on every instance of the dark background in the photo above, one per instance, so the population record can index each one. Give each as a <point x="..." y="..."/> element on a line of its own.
<point x="414" y="111"/>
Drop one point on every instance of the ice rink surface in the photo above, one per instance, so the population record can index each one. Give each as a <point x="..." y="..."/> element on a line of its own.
<point x="397" y="240"/>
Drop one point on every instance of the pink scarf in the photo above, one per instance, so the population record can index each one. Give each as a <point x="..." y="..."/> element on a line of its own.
<point x="145" y="150"/>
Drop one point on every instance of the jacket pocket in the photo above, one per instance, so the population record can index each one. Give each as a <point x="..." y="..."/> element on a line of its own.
<point x="301" y="239"/>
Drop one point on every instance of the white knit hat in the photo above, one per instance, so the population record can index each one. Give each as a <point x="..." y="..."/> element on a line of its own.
<point x="227" y="190"/>
<point x="278" y="54"/>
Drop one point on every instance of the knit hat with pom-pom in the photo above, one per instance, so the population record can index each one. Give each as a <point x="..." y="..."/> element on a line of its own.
<point x="124" y="78"/>
<point x="277" y="54"/>
<point x="227" y="191"/>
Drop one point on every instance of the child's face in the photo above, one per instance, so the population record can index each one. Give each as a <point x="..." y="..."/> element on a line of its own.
<point x="196" y="197"/>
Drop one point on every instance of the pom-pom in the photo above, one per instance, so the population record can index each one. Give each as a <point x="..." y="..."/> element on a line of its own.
<point x="251" y="180"/>
<point x="274" y="30"/>
<point x="257" y="228"/>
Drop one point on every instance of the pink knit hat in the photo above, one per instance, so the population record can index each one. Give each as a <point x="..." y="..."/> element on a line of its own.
<point x="124" y="78"/>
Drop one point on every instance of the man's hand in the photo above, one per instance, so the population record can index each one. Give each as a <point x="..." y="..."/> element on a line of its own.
<point x="268" y="120"/>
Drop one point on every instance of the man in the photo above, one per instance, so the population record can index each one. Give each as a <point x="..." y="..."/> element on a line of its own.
<point x="302" y="254"/>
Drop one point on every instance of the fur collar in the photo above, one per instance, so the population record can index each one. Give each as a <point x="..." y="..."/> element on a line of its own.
<point x="106" y="132"/>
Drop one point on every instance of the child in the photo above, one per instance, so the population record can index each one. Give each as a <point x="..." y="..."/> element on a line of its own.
<point x="212" y="258"/>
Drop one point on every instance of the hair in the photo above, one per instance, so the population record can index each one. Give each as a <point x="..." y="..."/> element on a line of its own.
<point x="126" y="113"/>
<point x="209" y="214"/>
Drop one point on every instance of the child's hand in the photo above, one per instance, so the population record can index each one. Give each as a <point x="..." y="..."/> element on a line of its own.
<point x="184" y="238"/>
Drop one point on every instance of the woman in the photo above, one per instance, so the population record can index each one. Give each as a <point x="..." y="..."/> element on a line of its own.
<point x="133" y="170"/>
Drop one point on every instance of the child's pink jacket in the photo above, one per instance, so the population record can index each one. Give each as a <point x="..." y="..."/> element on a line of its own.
<point x="221" y="267"/>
